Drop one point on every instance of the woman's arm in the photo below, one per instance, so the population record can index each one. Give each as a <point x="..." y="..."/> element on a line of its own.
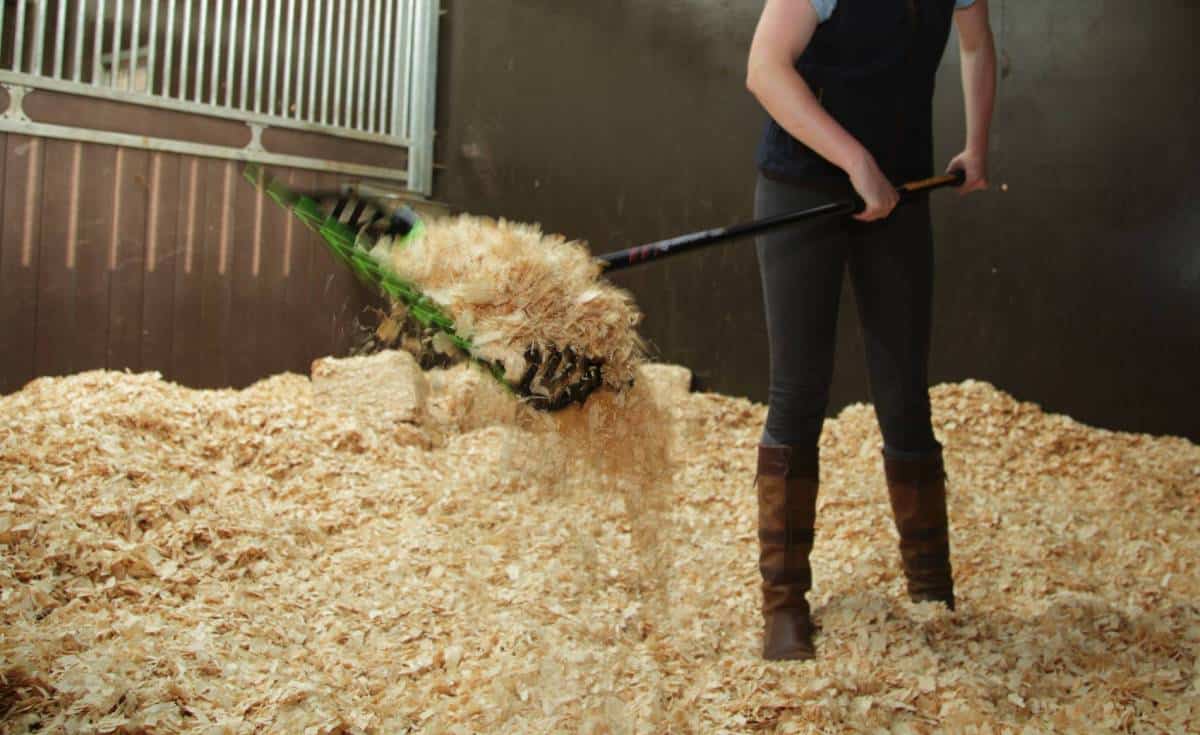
<point x="784" y="30"/>
<point x="978" y="51"/>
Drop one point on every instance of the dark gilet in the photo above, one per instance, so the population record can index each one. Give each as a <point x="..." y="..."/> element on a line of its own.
<point x="872" y="65"/>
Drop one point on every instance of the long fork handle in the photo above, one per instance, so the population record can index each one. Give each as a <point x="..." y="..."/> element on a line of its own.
<point x="692" y="241"/>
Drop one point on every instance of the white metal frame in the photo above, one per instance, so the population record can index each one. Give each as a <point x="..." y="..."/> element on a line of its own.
<point x="370" y="79"/>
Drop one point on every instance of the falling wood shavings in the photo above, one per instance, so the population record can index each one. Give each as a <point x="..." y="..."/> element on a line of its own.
<point x="255" y="561"/>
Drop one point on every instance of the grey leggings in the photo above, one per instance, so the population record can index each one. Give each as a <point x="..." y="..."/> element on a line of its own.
<point x="891" y="270"/>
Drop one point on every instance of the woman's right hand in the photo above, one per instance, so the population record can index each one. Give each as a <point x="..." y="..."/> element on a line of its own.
<point x="874" y="189"/>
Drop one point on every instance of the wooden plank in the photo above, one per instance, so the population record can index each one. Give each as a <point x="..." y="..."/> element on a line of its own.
<point x="299" y="293"/>
<point x="332" y="277"/>
<point x="163" y="250"/>
<point x="216" y="284"/>
<point x="54" y="347"/>
<point x="187" y="356"/>
<point x="316" y="324"/>
<point x="127" y="260"/>
<point x="248" y="205"/>
<point x="19" y="255"/>
<point x="273" y="334"/>
<point x="63" y="108"/>
<point x="93" y="255"/>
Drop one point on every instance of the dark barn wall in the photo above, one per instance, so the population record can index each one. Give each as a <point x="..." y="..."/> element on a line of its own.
<point x="123" y="259"/>
<point x="1078" y="287"/>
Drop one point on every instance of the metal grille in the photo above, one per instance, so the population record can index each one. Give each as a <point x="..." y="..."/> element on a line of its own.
<point x="357" y="69"/>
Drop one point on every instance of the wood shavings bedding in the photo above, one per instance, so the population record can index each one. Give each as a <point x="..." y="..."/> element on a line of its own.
<point x="509" y="286"/>
<point x="175" y="560"/>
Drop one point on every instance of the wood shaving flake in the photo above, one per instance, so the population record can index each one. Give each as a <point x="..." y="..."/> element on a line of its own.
<point x="177" y="560"/>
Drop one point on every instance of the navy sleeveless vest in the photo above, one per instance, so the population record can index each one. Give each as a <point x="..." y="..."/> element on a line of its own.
<point x="872" y="65"/>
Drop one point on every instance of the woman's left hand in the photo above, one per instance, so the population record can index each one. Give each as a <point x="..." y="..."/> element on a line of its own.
<point x="974" y="165"/>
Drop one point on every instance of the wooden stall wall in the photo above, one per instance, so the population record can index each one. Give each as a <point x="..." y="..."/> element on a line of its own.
<point x="125" y="259"/>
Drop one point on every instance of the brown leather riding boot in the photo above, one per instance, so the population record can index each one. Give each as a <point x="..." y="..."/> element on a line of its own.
<point x="787" y="508"/>
<point x="917" y="488"/>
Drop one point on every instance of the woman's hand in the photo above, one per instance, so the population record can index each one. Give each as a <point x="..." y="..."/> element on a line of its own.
<point x="974" y="165"/>
<point x="873" y="188"/>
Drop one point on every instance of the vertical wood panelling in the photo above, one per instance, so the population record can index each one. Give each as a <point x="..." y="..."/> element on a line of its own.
<point x="321" y="267"/>
<point x="187" y="356"/>
<point x="19" y="261"/>
<point x="298" y="293"/>
<point x="124" y="259"/>
<point x="330" y="298"/>
<point x="271" y="332"/>
<point x="93" y="252"/>
<point x="54" y="349"/>
<point x="244" y="363"/>
<point x="163" y="252"/>
<point x="127" y="265"/>
<point x="213" y="328"/>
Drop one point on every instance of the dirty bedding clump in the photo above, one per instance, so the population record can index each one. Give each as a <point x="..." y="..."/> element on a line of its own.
<point x="285" y="559"/>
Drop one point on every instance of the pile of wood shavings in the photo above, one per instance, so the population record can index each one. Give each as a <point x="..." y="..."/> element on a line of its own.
<point x="178" y="560"/>
<point x="508" y="285"/>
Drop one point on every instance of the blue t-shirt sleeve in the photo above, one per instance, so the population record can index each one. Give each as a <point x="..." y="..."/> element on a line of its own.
<point x="825" y="8"/>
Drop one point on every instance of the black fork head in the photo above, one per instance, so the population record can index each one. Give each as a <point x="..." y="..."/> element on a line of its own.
<point x="360" y="212"/>
<point x="554" y="379"/>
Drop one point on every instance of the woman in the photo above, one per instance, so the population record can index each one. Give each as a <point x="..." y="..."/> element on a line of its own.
<point x="849" y="88"/>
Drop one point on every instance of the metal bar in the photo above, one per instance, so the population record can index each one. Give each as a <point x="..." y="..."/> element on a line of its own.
<point x="273" y="78"/>
<point x="97" y="42"/>
<point x="385" y="67"/>
<point x="351" y="90"/>
<point x="373" y="85"/>
<point x="360" y="110"/>
<point x="325" y="65"/>
<point x="152" y="54"/>
<point x="39" y="37"/>
<point x="135" y="40"/>
<point x="244" y="102"/>
<point x="2" y="5"/>
<point x="399" y="80"/>
<point x="60" y="33"/>
<point x="215" y="85"/>
<point x="420" y="154"/>
<point x="262" y="45"/>
<point x="302" y="62"/>
<point x="185" y="47"/>
<point x="115" y="64"/>
<point x="19" y="38"/>
<point x="198" y="108"/>
<point x="201" y="49"/>
<point x="410" y="50"/>
<point x="415" y="74"/>
<point x="285" y="101"/>
<point x="77" y="67"/>
<point x="335" y="112"/>
<point x="170" y="145"/>
<point x="169" y="41"/>
<point x="231" y="53"/>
